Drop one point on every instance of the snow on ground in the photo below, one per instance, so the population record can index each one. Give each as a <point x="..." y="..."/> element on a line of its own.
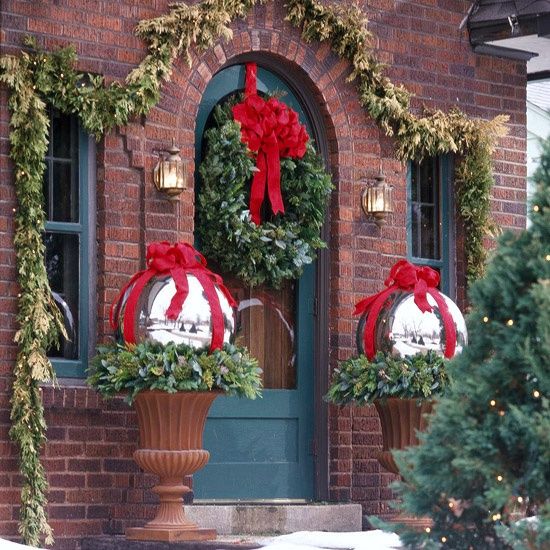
<point x="307" y="540"/>
<point x="303" y="540"/>
<point x="7" y="545"/>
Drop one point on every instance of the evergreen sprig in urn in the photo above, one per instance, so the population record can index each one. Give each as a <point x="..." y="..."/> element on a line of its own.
<point x="175" y="322"/>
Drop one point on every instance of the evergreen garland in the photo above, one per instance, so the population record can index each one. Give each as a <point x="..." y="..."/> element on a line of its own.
<point x="434" y="133"/>
<point x="38" y="77"/>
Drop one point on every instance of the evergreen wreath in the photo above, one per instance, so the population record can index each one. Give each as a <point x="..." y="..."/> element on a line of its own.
<point x="280" y="246"/>
<point x="36" y="77"/>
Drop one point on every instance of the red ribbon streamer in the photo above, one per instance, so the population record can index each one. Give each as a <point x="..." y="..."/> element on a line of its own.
<point x="178" y="261"/>
<point x="271" y="130"/>
<point x="420" y="280"/>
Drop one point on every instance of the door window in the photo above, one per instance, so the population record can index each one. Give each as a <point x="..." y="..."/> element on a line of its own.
<point x="266" y="320"/>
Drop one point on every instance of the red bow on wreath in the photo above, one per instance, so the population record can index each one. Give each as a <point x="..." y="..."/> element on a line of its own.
<point x="178" y="261"/>
<point x="272" y="130"/>
<point x="408" y="277"/>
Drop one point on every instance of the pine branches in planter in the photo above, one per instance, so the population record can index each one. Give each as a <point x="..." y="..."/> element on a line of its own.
<point x="360" y="381"/>
<point x="129" y="369"/>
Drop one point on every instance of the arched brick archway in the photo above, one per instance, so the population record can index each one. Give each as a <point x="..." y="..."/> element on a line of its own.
<point x="316" y="105"/>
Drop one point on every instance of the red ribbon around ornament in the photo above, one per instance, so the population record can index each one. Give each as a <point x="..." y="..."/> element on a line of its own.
<point x="420" y="280"/>
<point x="271" y="130"/>
<point x="178" y="261"/>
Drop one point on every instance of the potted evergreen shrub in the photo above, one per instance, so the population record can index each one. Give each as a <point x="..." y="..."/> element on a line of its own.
<point x="172" y="387"/>
<point x="401" y="389"/>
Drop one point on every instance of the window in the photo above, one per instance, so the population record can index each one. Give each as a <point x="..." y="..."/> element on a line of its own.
<point x="430" y="239"/>
<point x="67" y="238"/>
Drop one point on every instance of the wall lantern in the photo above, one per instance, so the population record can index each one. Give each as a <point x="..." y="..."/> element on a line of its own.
<point x="170" y="173"/>
<point x="377" y="200"/>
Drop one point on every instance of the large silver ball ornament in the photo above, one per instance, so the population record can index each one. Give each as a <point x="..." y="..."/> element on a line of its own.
<point x="403" y="330"/>
<point x="193" y="326"/>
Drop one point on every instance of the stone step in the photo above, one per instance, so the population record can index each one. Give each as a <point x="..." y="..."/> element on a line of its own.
<point x="274" y="518"/>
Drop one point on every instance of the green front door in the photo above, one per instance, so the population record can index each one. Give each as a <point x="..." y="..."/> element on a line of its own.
<point x="262" y="449"/>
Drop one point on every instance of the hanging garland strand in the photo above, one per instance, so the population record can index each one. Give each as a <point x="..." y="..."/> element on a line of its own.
<point x="38" y="77"/>
<point x="39" y="320"/>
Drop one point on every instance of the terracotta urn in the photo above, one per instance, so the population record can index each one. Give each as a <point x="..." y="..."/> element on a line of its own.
<point x="400" y="420"/>
<point x="171" y="426"/>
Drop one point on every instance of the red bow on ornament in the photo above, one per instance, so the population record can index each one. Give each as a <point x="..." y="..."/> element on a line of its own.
<point x="272" y="130"/>
<point x="178" y="261"/>
<point x="408" y="277"/>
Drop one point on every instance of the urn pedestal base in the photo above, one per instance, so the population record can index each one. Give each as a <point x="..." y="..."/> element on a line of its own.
<point x="170" y="535"/>
<point x="171" y="427"/>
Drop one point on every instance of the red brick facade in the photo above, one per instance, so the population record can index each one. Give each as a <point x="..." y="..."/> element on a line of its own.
<point x="95" y="487"/>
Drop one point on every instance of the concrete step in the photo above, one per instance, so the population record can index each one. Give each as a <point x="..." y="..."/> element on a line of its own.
<point x="274" y="518"/>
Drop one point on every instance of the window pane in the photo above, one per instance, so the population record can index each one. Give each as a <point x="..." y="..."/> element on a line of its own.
<point x="427" y="183"/>
<point x="427" y="239"/>
<point x="65" y="192"/>
<point x="61" y="128"/>
<point x="46" y="190"/>
<point x="266" y="325"/>
<point x="426" y="210"/>
<point x="62" y="265"/>
<point x="414" y="182"/>
<point x="415" y="225"/>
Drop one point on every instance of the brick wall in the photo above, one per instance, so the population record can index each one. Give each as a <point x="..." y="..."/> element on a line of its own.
<point x="95" y="486"/>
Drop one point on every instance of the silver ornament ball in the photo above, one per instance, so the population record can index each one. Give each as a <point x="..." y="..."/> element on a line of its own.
<point x="403" y="330"/>
<point x="193" y="325"/>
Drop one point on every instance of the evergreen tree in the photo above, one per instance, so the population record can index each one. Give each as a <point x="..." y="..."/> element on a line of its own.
<point x="485" y="461"/>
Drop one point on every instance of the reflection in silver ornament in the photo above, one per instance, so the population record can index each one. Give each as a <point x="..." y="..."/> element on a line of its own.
<point x="193" y="325"/>
<point x="403" y="330"/>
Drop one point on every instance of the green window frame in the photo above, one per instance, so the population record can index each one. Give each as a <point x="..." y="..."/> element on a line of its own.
<point x="69" y="232"/>
<point x="430" y="227"/>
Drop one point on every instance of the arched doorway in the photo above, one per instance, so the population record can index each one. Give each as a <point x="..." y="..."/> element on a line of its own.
<point x="264" y="449"/>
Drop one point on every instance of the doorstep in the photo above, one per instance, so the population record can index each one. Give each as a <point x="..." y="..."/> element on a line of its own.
<point x="275" y="519"/>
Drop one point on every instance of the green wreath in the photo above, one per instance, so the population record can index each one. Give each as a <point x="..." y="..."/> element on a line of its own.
<point x="282" y="245"/>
